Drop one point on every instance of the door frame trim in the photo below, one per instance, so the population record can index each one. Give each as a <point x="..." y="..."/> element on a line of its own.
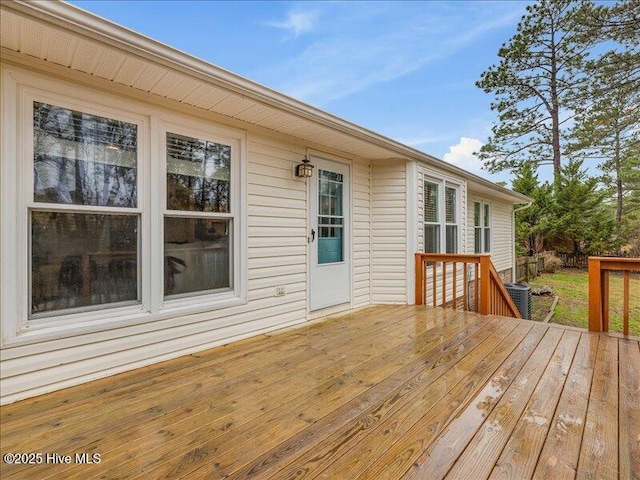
<point x="317" y="154"/>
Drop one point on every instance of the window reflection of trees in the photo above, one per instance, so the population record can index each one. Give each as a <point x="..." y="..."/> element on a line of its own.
<point x="197" y="253"/>
<point x="82" y="259"/>
<point x="198" y="174"/>
<point x="83" y="159"/>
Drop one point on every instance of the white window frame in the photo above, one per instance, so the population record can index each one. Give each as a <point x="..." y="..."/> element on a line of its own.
<point x="27" y="187"/>
<point x="19" y="90"/>
<point x="438" y="212"/>
<point x="443" y="184"/>
<point x="482" y="227"/>
<point x="201" y="298"/>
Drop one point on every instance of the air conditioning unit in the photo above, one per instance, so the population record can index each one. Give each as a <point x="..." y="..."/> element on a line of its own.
<point x="521" y="296"/>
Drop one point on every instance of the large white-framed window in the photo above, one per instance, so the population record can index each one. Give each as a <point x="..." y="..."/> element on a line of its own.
<point x="481" y="227"/>
<point x="123" y="213"/>
<point x="200" y="215"/>
<point x="81" y="219"/>
<point x="441" y="216"/>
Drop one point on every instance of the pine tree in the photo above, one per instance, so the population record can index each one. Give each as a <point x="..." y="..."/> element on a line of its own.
<point x="539" y="68"/>
<point x="532" y="224"/>
<point x="608" y="102"/>
<point x="579" y="213"/>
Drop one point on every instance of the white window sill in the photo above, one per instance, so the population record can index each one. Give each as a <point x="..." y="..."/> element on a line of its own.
<point x="64" y="326"/>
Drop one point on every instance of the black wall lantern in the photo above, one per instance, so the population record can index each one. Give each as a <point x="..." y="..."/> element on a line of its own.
<point x="304" y="169"/>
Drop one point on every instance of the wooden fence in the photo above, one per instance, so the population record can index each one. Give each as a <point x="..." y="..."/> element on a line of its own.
<point x="581" y="260"/>
<point x="528" y="268"/>
<point x="573" y="259"/>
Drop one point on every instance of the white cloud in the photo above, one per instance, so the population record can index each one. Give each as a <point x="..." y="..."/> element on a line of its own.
<point x="461" y="155"/>
<point x="356" y="48"/>
<point x="297" y="22"/>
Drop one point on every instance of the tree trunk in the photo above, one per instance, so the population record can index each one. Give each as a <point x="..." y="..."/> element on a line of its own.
<point x="555" y="110"/>
<point x="619" y="189"/>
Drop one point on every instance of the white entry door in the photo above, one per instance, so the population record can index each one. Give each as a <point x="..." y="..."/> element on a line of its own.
<point x="330" y="234"/>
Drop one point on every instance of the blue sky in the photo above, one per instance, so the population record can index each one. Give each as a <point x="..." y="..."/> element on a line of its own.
<point x="404" y="69"/>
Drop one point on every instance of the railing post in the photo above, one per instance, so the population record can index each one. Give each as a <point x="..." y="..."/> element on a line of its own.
<point x="420" y="280"/>
<point x="595" y="296"/>
<point x="485" y="285"/>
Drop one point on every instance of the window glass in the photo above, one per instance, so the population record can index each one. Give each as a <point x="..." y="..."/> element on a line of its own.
<point x="83" y="159"/>
<point x="450" y="204"/>
<point x="196" y="255"/>
<point x="452" y="239"/>
<point x="330" y="219"/>
<point x="477" y="240"/>
<point x="432" y="238"/>
<point x="487" y="240"/>
<point x="82" y="260"/>
<point x="487" y="213"/>
<point x="477" y="208"/>
<point x="431" y="213"/>
<point x="198" y="175"/>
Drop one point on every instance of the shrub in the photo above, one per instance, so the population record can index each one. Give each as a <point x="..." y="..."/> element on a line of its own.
<point x="551" y="262"/>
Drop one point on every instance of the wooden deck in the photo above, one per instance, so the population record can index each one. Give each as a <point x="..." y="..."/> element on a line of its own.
<point x="387" y="392"/>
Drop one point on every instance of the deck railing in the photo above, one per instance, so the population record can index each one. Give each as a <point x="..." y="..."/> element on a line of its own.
<point x="599" y="268"/>
<point x="462" y="281"/>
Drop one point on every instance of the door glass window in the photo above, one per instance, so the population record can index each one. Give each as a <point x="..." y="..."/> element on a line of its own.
<point x="330" y="217"/>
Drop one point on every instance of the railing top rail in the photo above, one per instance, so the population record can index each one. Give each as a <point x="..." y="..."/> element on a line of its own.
<point x="453" y="257"/>
<point x="618" y="259"/>
<point x="617" y="263"/>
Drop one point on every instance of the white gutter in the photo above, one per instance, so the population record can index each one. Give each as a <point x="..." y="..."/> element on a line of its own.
<point x="94" y="27"/>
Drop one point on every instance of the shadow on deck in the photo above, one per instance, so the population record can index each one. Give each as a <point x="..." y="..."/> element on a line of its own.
<point x="386" y="392"/>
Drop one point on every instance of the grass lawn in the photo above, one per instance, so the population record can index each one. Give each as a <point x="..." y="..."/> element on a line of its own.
<point x="571" y="285"/>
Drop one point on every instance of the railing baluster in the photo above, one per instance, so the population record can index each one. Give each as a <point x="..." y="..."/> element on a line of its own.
<point x="465" y="288"/>
<point x="595" y="296"/>
<point x="476" y="289"/>
<point x="435" y="281"/>
<point x="455" y="303"/>
<point x="444" y="284"/>
<point x="605" y="300"/>
<point x="625" y="300"/>
<point x="420" y="283"/>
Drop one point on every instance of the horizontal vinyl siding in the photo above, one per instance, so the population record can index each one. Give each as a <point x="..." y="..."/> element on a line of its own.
<point x="389" y="232"/>
<point x="361" y="286"/>
<point x="276" y="256"/>
<point x="502" y="235"/>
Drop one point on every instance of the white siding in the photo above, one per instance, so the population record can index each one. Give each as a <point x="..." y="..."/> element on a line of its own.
<point x="389" y="227"/>
<point x="361" y="290"/>
<point x="502" y="234"/>
<point x="276" y="255"/>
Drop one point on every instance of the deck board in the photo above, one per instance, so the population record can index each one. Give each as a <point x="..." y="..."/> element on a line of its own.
<point x="599" y="452"/>
<point x="629" y="409"/>
<point x="385" y="392"/>
<point x="561" y="451"/>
